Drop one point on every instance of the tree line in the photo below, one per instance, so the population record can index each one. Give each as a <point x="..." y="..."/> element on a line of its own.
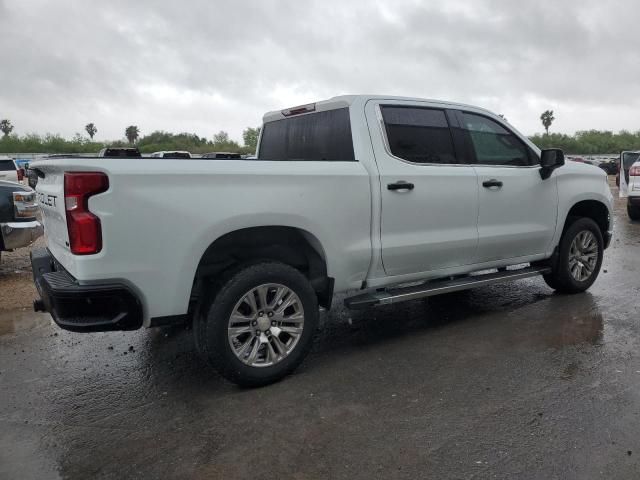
<point x="153" y="142"/>
<point x="590" y="142"/>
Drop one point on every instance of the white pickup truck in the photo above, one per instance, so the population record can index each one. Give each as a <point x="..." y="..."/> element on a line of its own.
<point x="388" y="198"/>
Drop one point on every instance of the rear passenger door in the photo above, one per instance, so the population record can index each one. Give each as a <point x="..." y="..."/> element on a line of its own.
<point x="429" y="204"/>
<point x="518" y="209"/>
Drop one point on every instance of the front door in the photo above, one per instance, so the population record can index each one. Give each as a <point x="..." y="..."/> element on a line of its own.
<point x="518" y="209"/>
<point x="626" y="160"/>
<point x="428" y="199"/>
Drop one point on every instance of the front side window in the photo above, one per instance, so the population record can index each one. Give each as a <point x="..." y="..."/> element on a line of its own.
<point x="494" y="144"/>
<point x="419" y="135"/>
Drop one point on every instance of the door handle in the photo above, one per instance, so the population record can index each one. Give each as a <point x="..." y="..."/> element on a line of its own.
<point x="400" y="185"/>
<point x="491" y="183"/>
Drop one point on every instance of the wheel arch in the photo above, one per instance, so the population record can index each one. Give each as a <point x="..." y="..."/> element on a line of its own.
<point x="593" y="209"/>
<point x="290" y="245"/>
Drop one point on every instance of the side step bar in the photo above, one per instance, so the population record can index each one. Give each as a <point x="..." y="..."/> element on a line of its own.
<point x="437" y="287"/>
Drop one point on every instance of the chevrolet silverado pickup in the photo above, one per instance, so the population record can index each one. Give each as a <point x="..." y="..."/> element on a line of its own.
<point x="383" y="198"/>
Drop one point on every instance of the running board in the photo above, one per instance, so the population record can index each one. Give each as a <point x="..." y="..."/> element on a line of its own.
<point x="437" y="287"/>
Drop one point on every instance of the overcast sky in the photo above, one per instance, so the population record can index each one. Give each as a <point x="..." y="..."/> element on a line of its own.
<point x="203" y="66"/>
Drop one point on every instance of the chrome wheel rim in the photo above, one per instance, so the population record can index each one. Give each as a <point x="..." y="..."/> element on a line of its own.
<point x="583" y="255"/>
<point x="266" y="325"/>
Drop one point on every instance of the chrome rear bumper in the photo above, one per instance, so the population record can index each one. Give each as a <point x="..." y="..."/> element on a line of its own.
<point x="20" y="234"/>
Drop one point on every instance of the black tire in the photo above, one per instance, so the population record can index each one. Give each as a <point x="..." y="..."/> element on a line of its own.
<point x="212" y="321"/>
<point x="633" y="212"/>
<point x="560" y="278"/>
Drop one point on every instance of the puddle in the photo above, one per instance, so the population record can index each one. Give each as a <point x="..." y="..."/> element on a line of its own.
<point x="585" y="328"/>
<point x="13" y="321"/>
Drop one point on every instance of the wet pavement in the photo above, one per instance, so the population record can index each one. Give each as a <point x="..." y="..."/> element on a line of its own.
<point x="509" y="381"/>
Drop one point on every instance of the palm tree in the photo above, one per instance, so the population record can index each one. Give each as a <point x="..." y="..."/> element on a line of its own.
<point x="91" y="129"/>
<point x="132" y="133"/>
<point x="6" y="127"/>
<point x="547" y="119"/>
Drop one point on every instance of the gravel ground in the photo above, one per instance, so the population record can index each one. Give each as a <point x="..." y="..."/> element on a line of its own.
<point x="17" y="291"/>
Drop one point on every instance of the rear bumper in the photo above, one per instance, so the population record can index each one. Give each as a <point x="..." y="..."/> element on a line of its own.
<point x="633" y="200"/>
<point x="20" y="234"/>
<point x="97" y="307"/>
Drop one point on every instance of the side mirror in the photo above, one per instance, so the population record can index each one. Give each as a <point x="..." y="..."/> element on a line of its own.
<point x="550" y="159"/>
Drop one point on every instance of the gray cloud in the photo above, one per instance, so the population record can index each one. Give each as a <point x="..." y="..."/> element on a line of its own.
<point x="202" y="66"/>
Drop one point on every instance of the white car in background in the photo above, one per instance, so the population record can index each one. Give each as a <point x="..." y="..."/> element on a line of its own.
<point x="627" y="159"/>
<point x="8" y="170"/>
<point x="171" y="154"/>
<point x="632" y="182"/>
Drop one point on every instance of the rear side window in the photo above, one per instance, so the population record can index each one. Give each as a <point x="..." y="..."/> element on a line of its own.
<point x="419" y="135"/>
<point x="6" y="165"/>
<point x="493" y="144"/>
<point x="315" y="136"/>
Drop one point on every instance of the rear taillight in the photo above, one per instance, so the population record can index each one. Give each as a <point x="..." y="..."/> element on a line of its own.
<point x="20" y="174"/>
<point x="634" y="171"/>
<point x="85" y="233"/>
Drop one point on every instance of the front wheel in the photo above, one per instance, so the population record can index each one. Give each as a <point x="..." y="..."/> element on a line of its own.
<point x="579" y="258"/>
<point x="260" y="324"/>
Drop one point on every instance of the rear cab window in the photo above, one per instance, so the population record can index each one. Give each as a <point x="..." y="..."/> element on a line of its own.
<point x="318" y="136"/>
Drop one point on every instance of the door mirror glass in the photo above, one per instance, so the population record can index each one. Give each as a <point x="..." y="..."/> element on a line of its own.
<point x="551" y="158"/>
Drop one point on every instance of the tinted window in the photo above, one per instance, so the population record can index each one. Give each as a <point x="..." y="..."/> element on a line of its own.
<point x="629" y="159"/>
<point x="314" y="136"/>
<point x="122" y="152"/>
<point x="493" y="144"/>
<point x="419" y="135"/>
<point x="176" y="155"/>
<point x="222" y="156"/>
<point x="7" y="165"/>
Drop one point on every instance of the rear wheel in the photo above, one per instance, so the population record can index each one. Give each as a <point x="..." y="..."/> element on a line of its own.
<point x="579" y="257"/>
<point x="260" y="324"/>
<point x="633" y="212"/>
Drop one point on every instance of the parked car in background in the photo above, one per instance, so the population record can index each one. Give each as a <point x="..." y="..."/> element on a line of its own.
<point x="18" y="208"/>
<point x="222" y="155"/>
<point x="627" y="159"/>
<point x="609" y="166"/>
<point x="129" y="152"/>
<point x="633" y="191"/>
<point x="9" y="171"/>
<point x="171" y="154"/>
<point x="32" y="177"/>
<point x="399" y="198"/>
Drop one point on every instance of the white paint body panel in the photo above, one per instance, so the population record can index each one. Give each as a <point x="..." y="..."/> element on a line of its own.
<point x="518" y="218"/>
<point x="633" y="188"/>
<point x="157" y="219"/>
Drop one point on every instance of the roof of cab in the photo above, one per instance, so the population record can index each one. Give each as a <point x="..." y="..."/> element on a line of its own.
<point x="342" y="101"/>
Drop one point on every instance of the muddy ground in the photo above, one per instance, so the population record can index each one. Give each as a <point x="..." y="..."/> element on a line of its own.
<point x="508" y="381"/>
